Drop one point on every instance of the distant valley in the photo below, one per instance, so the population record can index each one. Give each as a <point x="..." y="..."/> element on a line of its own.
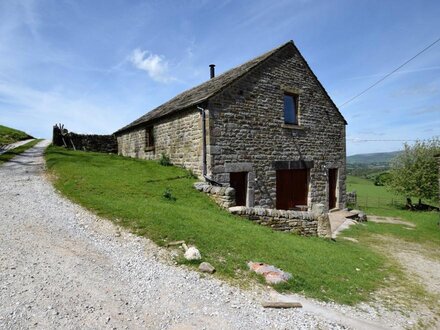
<point x="372" y="158"/>
<point x="370" y="165"/>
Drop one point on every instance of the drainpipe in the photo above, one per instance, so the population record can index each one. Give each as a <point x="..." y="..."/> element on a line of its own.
<point x="203" y="112"/>
<point x="204" y="171"/>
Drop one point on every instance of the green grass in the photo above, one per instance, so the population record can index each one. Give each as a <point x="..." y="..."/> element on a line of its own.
<point x="370" y="195"/>
<point x="404" y="289"/>
<point x="9" y="135"/>
<point x="130" y="192"/>
<point x="8" y="155"/>
<point x="426" y="231"/>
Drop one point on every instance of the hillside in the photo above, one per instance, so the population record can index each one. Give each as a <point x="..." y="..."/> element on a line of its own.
<point x="372" y="158"/>
<point x="10" y="135"/>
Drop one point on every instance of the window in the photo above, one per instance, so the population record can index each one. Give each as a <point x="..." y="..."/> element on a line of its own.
<point x="290" y="109"/>
<point x="149" y="139"/>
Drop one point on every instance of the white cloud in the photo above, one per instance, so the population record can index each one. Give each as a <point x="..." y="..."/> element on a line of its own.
<point x="155" y="65"/>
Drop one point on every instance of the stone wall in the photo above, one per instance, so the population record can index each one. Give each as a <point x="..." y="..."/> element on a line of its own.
<point x="351" y="197"/>
<point x="302" y="223"/>
<point x="178" y="136"/>
<point x="247" y="130"/>
<point x="313" y="223"/>
<point x="84" y="142"/>
<point x="223" y="196"/>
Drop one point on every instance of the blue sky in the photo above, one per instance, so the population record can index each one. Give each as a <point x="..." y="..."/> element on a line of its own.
<point x="97" y="65"/>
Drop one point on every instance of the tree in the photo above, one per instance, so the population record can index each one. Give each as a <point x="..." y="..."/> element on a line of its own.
<point x="382" y="179"/>
<point x="414" y="172"/>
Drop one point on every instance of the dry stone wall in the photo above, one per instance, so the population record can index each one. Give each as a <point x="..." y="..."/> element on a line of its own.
<point x="178" y="136"/>
<point x="246" y="125"/>
<point x="313" y="223"/>
<point x="223" y="196"/>
<point x="85" y="142"/>
<point x="299" y="222"/>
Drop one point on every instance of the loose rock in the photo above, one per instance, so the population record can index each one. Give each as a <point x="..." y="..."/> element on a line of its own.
<point x="192" y="254"/>
<point x="206" y="267"/>
<point x="272" y="274"/>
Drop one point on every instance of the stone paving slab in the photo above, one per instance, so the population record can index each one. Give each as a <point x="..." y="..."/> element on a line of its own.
<point x="7" y="147"/>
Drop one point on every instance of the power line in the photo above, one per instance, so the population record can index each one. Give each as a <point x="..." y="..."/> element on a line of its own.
<point x="387" y="140"/>
<point x="389" y="74"/>
<point x="379" y="140"/>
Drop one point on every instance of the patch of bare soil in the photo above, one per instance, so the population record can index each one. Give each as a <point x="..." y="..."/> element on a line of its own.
<point x="391" y="220"/>
<point x="419" y="294"/>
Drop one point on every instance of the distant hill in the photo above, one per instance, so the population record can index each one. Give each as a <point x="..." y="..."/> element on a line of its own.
<point x="373" y="158"/>
<point x="10" y="135"/>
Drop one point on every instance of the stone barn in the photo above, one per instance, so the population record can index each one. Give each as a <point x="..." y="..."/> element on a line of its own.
<point x="267" y="128"/>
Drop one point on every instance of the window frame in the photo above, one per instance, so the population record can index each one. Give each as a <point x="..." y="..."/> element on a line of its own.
<point x="295" y="97"/>
<point x="149" y="138"/>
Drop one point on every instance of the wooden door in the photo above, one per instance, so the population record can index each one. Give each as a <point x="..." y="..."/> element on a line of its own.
<point x="332" y="183"/>
<point x="292" y="188"/>
<point x="238" y="181"/>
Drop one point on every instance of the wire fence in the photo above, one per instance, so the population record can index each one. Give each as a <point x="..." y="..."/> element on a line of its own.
<point x="376" y="202"/>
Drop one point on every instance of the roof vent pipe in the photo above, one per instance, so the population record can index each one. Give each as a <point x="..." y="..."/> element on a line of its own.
<point x="212" y="70"/>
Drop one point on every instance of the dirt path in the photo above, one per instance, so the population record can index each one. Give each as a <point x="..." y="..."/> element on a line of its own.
<point x="63" y="267"/>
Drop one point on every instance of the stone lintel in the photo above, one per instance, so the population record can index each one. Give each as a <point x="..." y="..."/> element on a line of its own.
<point x="293" y="164"/>
<point x="238" y="167"/>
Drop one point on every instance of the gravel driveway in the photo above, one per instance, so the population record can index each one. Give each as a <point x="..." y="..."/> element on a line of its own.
<point x="63" y="267"/>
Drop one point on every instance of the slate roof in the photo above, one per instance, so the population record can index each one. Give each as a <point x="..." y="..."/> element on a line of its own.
<point x="204" y="91"/>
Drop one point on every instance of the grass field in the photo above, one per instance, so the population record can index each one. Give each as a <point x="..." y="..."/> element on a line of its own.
<point x="370" y="195"/>
<point x="378" y="201"/>
<point x="9" y="135"/>
<point x="130" y="192"/>
<point x="16" y="151"/>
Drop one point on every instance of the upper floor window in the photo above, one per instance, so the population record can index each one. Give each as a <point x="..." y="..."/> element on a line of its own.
<point x="291" y="109"/>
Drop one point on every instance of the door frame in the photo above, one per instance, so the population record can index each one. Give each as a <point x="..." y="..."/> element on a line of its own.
<point x="244" y="176"/>
<point x="244" y="167"/>
<point x="336" y="187"/>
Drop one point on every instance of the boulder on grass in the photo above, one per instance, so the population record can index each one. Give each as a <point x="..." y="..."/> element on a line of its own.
<point x="192" y="254"/>
<point x="271" y="274"/>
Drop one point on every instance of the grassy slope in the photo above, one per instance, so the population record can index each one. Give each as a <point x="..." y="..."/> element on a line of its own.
<point x="130" y="192"/>
<point x="9" y="135"/>
<point x="16" y="151"/>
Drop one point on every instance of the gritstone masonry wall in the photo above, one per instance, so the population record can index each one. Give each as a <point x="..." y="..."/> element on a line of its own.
<point x="178" y="136"/>
<point x="247" y="130"/>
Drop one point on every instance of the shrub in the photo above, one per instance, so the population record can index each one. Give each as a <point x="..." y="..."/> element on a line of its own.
<point x="164" y="160"/>
<point x="382" y="179"/>
<point x="167" y="194"/>
<point x="191" y="175"/>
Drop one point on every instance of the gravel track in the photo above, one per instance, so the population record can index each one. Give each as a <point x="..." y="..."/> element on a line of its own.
<point x="63" y="267"/>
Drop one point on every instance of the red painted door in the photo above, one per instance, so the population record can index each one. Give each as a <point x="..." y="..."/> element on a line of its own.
<point x="238" y="181"/>
<point x="292" y="188"/>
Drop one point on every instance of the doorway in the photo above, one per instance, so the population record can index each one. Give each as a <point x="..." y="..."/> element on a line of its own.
<point x="292" y="189"/>
<point x="238" y="181"/>
<point x="332" y="185"/>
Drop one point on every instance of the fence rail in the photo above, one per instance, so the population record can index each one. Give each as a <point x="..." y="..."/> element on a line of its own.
<point x="377" y="202"/>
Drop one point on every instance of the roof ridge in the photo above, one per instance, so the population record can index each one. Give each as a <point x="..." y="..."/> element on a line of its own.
<point x="204" y="90"/>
